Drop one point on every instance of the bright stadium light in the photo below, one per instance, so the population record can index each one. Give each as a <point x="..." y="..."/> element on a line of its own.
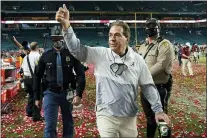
<point x="103" y="21"/>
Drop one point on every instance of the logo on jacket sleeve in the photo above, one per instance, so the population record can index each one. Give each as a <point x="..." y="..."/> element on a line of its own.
<point x="67" y="58"/>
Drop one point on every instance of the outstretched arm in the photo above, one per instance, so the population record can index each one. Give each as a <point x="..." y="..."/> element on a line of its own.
<point x="83" y="53"/>
<point x="17" y="42"/>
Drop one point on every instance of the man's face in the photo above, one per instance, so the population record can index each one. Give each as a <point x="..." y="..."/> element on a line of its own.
<point x="117" y="41"/>
<point x="58" y="42"/>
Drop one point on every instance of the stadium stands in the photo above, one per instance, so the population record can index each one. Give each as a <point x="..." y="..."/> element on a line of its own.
<point x="94" y="37"/>
<point x="97" y="36"/>
<point x="155" y="6"/>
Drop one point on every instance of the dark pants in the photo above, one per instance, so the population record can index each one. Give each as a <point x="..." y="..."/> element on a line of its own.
<point x="51" y="103"/>
<point x="151" y="123"/>
<point x="31" y="110"/>
<point x="179" y="60"/>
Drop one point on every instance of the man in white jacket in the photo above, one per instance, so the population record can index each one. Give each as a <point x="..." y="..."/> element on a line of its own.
<point x="119" y="71"/>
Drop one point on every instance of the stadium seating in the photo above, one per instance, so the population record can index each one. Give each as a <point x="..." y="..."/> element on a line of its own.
<point x="94" y="37"/>
<point x="155" y="6"/>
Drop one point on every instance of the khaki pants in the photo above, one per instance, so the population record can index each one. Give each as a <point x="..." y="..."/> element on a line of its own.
<point x="186" y="62"/>
<point x="195" y="54"/>
<point x="116" y="126"/>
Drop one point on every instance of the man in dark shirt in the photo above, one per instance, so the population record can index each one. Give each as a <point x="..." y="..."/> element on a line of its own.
<point x="179" y="54"/>
<point x="59" y="64"/>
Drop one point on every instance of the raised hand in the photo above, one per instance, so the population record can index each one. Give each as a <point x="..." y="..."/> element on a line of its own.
<point x="14" y="38"/>
<point x="62" y="16"/>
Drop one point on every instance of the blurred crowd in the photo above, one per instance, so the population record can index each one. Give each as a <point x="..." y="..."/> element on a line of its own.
<point x="9" y="58"/>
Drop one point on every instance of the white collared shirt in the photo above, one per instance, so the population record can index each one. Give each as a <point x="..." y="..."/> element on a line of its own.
<point x="33" y="59"/>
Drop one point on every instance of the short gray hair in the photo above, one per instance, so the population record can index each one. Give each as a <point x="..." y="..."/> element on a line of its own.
<point x="125" y="26"/>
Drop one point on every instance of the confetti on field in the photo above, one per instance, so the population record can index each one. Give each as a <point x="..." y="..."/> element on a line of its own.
<point x="187" y="110"/>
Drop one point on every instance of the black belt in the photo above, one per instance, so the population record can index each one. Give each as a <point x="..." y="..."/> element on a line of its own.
<point x="57" y="89"/>
<point x="27" y="77"/>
